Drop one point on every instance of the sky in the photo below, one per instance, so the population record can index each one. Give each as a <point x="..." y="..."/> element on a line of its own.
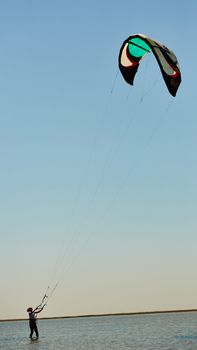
<point x="98" y="179"/>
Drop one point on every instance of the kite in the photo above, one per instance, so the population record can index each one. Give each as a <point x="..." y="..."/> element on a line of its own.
<point x="135" y="47"/>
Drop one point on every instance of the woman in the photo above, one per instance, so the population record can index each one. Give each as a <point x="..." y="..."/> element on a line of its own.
<point x="32" y="320"/>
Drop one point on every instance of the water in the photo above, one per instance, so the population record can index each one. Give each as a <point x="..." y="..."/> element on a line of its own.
<point x="169" y="331"/>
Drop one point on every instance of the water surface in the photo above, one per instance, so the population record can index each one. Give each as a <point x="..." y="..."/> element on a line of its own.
<point x="169" y="331"/>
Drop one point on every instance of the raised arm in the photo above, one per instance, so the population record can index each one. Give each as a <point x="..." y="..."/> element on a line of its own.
<point x="38" y="309"/>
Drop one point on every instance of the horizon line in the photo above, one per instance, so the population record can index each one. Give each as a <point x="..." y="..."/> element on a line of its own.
<point x="103" y="315"/>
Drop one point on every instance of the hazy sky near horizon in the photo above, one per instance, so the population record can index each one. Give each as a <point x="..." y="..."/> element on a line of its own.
<point x="98" y="180"/>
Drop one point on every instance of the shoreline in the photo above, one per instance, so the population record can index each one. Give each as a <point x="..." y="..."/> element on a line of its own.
<point x="104" y="315"/>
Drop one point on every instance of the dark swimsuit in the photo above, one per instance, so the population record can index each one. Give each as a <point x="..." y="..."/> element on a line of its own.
<point x="32" y="324"/>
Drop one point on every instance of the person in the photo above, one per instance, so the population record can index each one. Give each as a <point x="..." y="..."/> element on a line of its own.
<point x="32" y="320"/>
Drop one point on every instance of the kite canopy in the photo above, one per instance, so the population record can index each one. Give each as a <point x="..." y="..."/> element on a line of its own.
<point x="135" y="47"/>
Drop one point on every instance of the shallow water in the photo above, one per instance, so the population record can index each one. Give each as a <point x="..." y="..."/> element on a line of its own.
<point x="169" y="331"/>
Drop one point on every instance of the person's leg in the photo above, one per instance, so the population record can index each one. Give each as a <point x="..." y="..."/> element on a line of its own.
<point x="31" y="330"/>
<point x="36" y="330"/>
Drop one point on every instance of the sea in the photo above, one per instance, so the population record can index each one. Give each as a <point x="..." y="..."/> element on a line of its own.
<point x="160" y="331"/>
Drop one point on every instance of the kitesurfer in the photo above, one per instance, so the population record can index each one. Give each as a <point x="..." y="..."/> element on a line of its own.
<point x="32" y="320"/>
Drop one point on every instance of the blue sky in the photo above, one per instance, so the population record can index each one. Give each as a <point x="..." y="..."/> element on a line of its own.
<point x="98" y="179"/>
